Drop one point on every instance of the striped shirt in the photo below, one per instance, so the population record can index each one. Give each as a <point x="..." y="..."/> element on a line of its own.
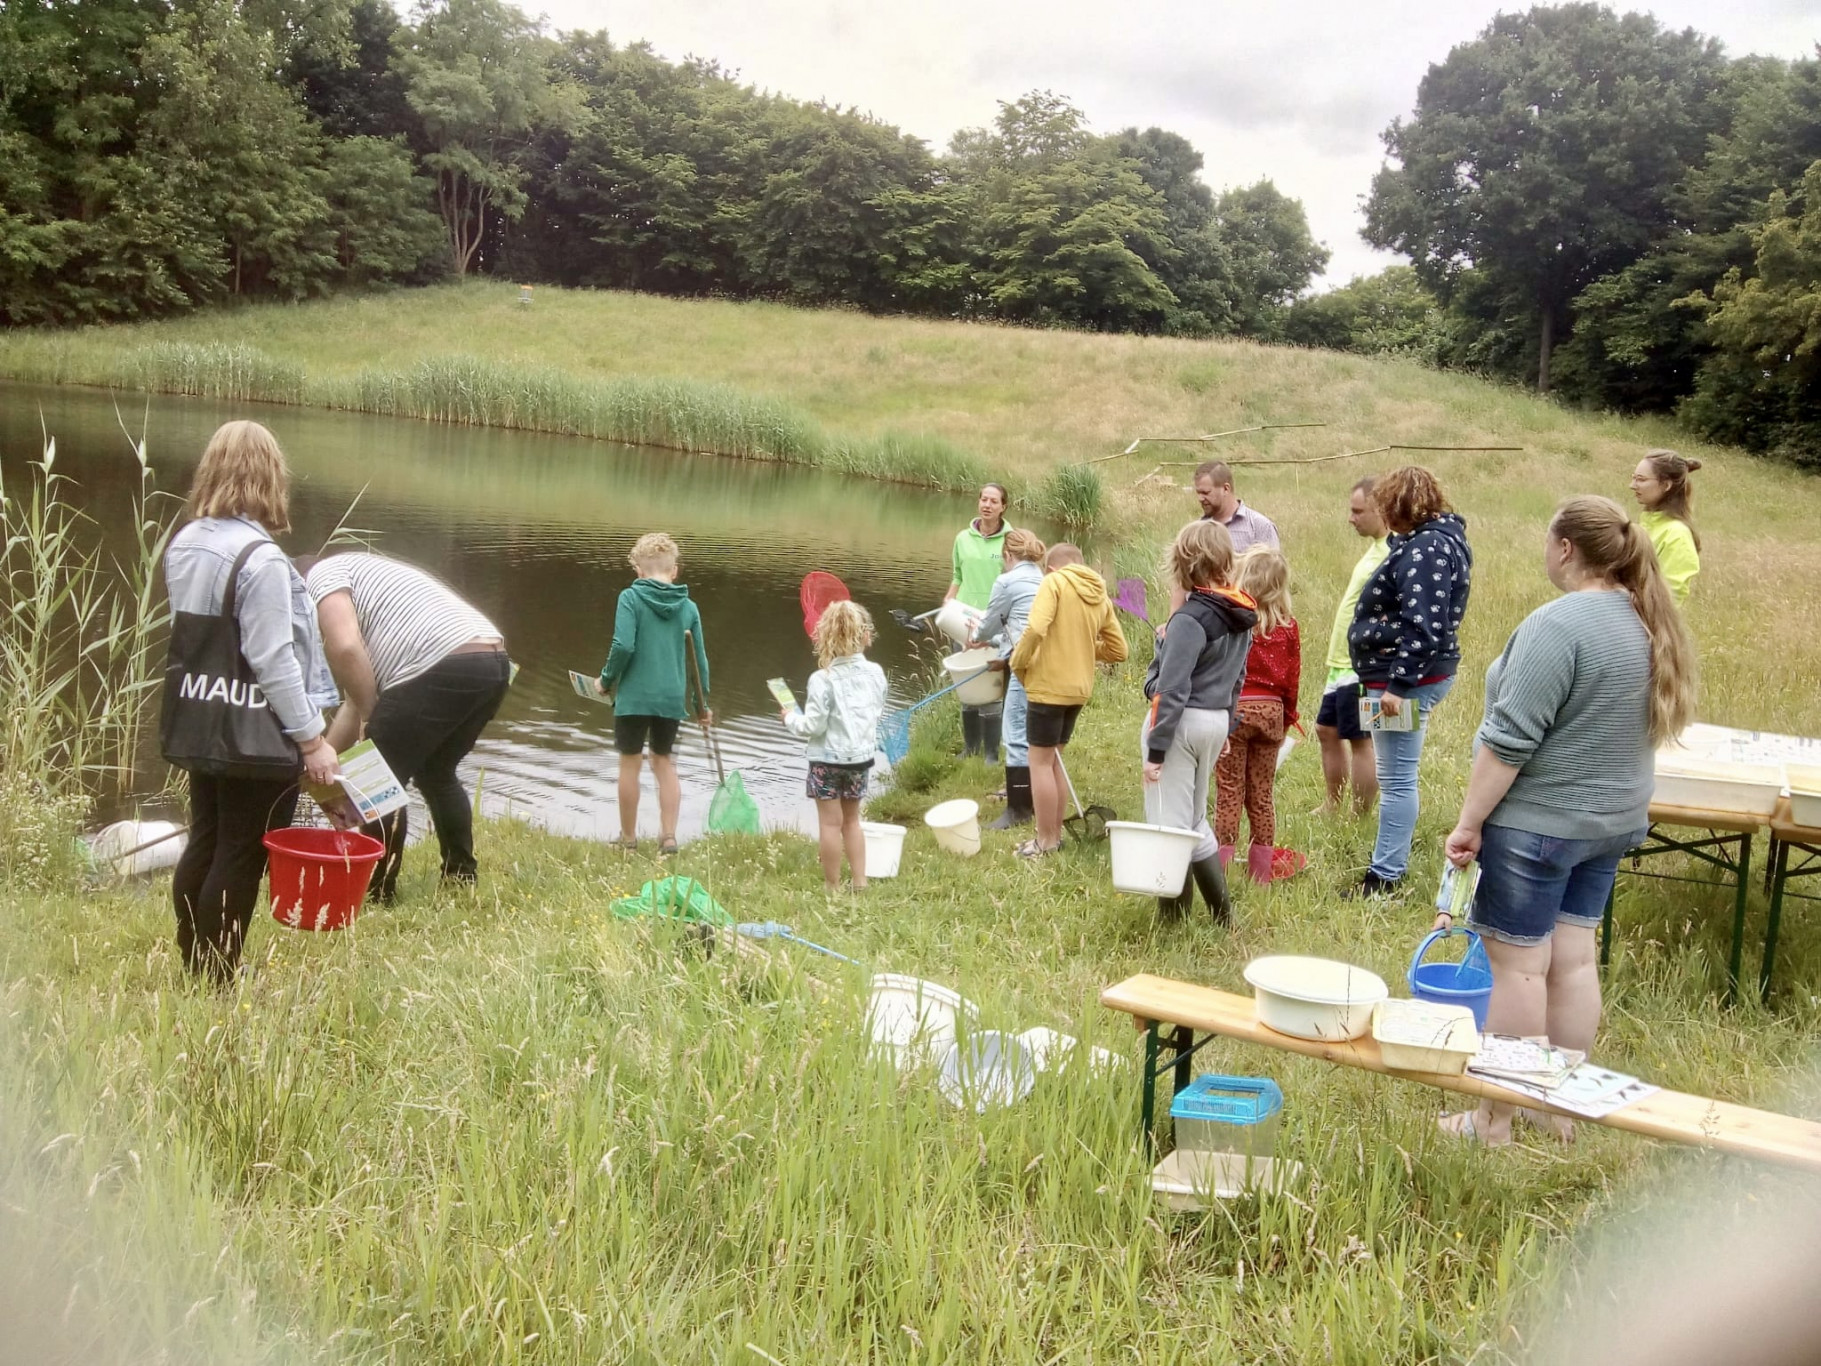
<point x="409" y="620"/>
<point x="1568" y="706"/>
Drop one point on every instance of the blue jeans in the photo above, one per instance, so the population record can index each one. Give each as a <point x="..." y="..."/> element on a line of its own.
<point x="1531" y="883"/>
<point x="1017" y="706"/>
<point x="1397" y="753"/>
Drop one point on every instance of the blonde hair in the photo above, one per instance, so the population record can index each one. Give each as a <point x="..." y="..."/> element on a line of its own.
<point x="243" y="473"/>
<point x="1024" y="545"/>
<point x="1060" y="554"/>
<point x="1408" y="497"/>
<point x="1613" y="546"/>
<point x="1264" y="575"/>
<point x="1672" y="469"/>
<point x="653" y="550"/>
<point x="1201" y="556"/>
<point x="845" y="628"/>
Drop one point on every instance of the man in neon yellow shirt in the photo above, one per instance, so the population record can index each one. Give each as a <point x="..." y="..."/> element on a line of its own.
<point x="1345" y="748"/>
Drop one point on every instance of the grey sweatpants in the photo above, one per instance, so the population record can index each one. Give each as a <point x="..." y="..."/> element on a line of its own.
<point x="1180" y="799"/>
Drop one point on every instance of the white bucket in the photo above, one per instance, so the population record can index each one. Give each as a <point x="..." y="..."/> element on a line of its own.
<point x="1150" y="860"/>
<point x="884" y="848"/>
<point x="984" y="686"/>
<point x="134" y="848"/>
<point x="910" y="1020"/>
<point x="956" y="826"/>
<point x="956" y="620"/>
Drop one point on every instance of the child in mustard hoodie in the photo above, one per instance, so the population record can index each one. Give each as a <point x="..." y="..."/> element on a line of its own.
<point x="1071" y="627"/>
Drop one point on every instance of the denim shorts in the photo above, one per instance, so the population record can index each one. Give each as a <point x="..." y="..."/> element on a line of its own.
<point x="1531" y="883"/>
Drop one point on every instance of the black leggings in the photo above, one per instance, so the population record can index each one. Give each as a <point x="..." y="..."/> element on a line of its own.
<point x="216" y="884"/>
<point x="424" y="728"/>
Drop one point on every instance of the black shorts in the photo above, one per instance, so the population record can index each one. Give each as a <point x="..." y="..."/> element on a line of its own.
<point x="1340" y="709"/>
<point x="1049" y="727"/>
<point x="632" y="733"/>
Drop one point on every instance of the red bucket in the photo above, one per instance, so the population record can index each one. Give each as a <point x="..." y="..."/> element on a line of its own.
<point x="319" y="877"/>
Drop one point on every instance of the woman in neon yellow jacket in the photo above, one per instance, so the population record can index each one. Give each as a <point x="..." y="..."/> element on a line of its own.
<point x="1660" y="484"/>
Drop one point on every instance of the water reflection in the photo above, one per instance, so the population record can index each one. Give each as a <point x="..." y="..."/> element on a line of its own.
<point x="534" y="531"/>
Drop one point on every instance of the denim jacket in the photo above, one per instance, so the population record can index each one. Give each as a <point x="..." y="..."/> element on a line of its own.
<point x="1009" y="609"/>
<point x="278" y="631"/>
<point x="840" y="717"/>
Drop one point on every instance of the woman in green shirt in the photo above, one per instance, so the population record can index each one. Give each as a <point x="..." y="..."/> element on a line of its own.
<point x="977" y="562"/>
<point x="1660" y="484"/>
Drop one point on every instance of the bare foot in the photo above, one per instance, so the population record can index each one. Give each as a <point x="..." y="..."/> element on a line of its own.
<point x="1467" y="1126"/>
<point x="1327" y="808"/>
<point x="1558" y="1127"/>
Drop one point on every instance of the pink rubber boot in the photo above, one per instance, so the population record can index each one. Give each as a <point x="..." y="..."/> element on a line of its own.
<point x="1226" y="856"/>
<point x="1258" y="863"/>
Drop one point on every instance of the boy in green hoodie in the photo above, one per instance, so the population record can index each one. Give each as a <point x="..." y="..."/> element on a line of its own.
<point x="648" y="678"/>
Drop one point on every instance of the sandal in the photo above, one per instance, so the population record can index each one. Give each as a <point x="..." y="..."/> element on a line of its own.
<point x="1558" y="1127"/>
<point x="667" y="846"/>
<point x="630" y="846"/>
<point x="1463" y="1125"/>
<point x="1031" y="849"/>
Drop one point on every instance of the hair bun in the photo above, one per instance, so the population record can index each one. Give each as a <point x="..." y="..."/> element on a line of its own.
<point x="1693" y="465"/>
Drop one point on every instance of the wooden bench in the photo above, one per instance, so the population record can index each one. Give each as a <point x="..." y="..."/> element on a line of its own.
<point x="1185" y="1009"/>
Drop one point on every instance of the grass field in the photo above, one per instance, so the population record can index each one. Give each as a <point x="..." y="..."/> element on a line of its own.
<point x="504" y="1127"/>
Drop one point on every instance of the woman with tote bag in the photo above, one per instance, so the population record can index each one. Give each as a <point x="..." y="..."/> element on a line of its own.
<point x="245" y="684"/>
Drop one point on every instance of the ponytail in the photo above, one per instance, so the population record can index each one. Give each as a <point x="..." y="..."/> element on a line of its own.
<point x="1613" y="546"/>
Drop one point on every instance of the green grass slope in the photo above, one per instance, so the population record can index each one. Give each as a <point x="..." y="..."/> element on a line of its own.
<point x="504" y="1127"/>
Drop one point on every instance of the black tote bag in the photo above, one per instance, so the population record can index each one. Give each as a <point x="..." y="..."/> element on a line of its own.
<point x="216" y="720"/>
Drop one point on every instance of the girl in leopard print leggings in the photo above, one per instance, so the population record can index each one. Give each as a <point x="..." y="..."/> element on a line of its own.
<point x="1247" y="771"/>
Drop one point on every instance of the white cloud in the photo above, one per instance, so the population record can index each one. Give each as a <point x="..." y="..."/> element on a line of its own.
<point x="1298" y="92"/>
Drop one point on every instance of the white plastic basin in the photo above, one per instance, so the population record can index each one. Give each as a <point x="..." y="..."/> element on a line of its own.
<point x="956" y="826"/>
<point x="1314" y="998"/>
<point x="884" y="848"/>
<point x="1150" y="860"/>
<point x="983" y="686"/>
<point x="911" y="1020"/>
<point x="985" y="1069"/>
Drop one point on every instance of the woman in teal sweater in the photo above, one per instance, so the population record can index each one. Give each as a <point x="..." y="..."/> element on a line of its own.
<point x="647" y="675"/>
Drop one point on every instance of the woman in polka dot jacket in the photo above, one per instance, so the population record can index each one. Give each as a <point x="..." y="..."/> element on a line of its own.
<point x="1405" y="643"/>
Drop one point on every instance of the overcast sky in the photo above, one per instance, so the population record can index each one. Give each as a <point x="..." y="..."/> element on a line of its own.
<point x="1296" y="91"/>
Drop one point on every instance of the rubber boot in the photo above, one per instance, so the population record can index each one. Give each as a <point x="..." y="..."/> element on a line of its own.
<point x="1226" y="855"/>
<point x="1258" y="864"/>
<point x="1174" y="908"/>
<point x="1211" y="881"/>
<point x="991" y="728"/>
<point x="1018" y="808"/>
<point x="970" y="732"/>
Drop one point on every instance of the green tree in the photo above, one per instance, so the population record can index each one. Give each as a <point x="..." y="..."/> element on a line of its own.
<point x="1761" y="387"/>
<point x="1387" y="312"/>
<point x="476" y="75"/>
<point x="379" y="212"/>
<point x="1542" y="155"/>
<point x="1266" y="253"/>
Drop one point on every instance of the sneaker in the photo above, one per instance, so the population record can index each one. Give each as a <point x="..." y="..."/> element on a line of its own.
<point x="1371" y="887"/>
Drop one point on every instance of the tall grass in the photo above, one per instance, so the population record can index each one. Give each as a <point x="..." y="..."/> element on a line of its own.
<point x="78" y="629"/>
<point x="671" y="414"/>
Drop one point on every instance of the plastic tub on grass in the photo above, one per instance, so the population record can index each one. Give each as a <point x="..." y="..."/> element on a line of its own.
<point x="319" y="877"/>
<point x="956" y="826"/>
<point x="884" y="848"/>
<point x="980" y="686"/>
<point x="1150" y="860"/>
<point x="986" y="1068"/>
<point x="910" y="1020"/>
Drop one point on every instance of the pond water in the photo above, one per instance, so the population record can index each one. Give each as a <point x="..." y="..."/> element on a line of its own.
<point x="534" y="530"/>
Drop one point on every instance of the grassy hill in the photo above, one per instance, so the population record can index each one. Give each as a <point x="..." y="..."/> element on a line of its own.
<point x="505" y="1127"/>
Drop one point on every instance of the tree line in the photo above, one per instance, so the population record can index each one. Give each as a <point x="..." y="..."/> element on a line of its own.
<point x="1616" y="212"/>
<point x="156" y="155"/>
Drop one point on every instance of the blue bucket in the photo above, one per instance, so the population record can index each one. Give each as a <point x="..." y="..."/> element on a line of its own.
<point x="1466" y="983"/>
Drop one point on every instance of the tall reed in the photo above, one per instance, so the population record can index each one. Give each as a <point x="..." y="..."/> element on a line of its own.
<point x="78" y="629"/>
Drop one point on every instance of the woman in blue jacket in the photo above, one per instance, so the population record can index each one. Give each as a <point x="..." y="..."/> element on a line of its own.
<point x="1405" y="643"/>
